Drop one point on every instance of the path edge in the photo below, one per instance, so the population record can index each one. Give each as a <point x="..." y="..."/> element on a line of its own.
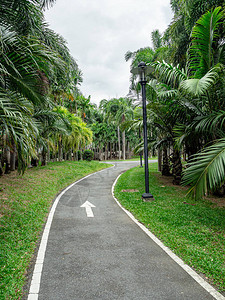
<point x="37" y="272"/>
<point x="210" y="289"/>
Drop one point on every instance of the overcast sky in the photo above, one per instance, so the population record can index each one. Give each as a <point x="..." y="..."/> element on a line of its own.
<point x="100" y="32"/>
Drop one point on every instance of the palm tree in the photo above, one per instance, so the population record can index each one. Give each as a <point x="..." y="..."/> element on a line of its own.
<point x="34" y="63"/>
<point x="125" y="112"/>
<point x="21" y="88"/>
<point x="186" y="14"/>
<point x="206" y="171"/>
<point x="110" y="109"/>
<point x="199" y="95"/>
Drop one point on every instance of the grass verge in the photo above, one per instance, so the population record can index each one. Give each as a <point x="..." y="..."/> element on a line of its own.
<point x="24" y="205"/>
<point x="195" y="231"/>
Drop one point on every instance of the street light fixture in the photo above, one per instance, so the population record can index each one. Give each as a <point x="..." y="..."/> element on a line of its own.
<point x="142" y="70"/>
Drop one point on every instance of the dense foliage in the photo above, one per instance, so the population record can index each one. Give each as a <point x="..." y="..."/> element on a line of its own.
<point x="88" y="155"/>
<point x="39" y="82"/>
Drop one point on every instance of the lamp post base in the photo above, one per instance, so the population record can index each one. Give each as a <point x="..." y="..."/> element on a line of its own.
<point x="147" y="197"/>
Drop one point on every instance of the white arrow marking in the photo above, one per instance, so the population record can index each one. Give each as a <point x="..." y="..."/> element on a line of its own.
<point x="88" y="207"/>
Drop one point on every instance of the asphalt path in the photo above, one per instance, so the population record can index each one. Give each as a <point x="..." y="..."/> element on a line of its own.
<point x="100" y="253"/>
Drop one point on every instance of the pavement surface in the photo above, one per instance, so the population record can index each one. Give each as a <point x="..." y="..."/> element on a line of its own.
<point x="100" y="253"/>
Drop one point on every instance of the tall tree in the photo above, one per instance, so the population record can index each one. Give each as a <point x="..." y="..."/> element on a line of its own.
<point x="35" y="63"/>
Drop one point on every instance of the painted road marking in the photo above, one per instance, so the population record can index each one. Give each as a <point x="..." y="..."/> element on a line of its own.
<point x="88" y="205"/>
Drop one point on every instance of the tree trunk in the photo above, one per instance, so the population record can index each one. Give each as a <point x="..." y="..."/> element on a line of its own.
<point x="118" y="130"/>
<point x="220" y="191"/>
<point x="165" y="166"/>
<point x="124" y="145"/>
<point x="128" y="149"/>
<point x="48" y="154"/>
<point x="1" y="169"/>
<point x="177" y="167"/>
<point x="111" y="149"/>
<point x="34" y="162"/>
<point x="44" y="157"/>
<point x="100" y="154"/>
<point x="13" y="157"/>
<point x="71" y="155"/>
<point x="106" y="151"/>
<point x="60" y="150"/>
<point x="159" y="160"/>
<point x="7" y="160"/>
<point x="1" y="163"/>
<point x="95" y="153"/>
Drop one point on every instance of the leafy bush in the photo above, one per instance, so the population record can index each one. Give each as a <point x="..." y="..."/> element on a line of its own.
<point x="88" y="155"/>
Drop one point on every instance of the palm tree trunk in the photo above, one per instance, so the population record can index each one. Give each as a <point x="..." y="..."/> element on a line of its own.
<point x="114" y="149"/>
<point x="165" y="166"/>
<point x="106" y="151"/>
<point x="13" y="157"/>
<point x="124" y="145"/>
<point x="110" y="150"/>
<point x="118" y="131"/>
<point x="1" y="163"/>
<point x="128" y="150"/>
<point x="7" y="160"/>
<point x="43" y="157"/>
<point x="60" y="150"/>
<point x="177" y="167"/>
<point x="71" y="155"/>
<point x="100" y="154"/>
<point x="34" y="162"/>
<point x="48" y="154"/>
<point x="1" y="169"/>
<point x="159" y="160"/>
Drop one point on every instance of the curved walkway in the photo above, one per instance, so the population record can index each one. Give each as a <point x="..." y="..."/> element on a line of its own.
<point x="91" y="250"/>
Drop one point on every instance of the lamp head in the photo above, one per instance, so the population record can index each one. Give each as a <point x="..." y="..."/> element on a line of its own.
<point x="142" y="71"/>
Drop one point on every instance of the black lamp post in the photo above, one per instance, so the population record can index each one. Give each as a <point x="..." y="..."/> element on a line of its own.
<point x="141" y="166"/>
<point x="141" y="70"/>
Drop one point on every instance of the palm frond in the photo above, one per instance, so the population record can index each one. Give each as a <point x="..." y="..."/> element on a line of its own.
<point x="201" y="53"/>
<point x="198" y="87"/>
<point x="170" y="74"/>
<point x="211" y="125"/>
<point x="129" y="55"/>
<point x="46" y="3"/>
<point x="206" y="170"/>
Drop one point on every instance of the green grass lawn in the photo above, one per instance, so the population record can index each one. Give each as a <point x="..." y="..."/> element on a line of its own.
<point x="195" y="231"/>
<point x="137" y="158"/>
<point x="24" y="205"/>
<point x="134" y="158"/>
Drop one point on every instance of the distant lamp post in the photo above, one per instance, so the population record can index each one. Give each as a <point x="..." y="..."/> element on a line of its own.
<point x="142" y="70"/>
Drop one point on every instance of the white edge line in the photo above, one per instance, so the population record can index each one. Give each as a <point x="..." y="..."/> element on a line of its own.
<point x="36" y="278"/>
<point x="179" y="261"/>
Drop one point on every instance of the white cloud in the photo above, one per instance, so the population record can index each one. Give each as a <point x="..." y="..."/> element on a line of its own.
<point x="99" y="33"/>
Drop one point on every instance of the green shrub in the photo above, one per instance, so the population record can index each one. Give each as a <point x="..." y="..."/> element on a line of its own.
<point x="88" y="155"/>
